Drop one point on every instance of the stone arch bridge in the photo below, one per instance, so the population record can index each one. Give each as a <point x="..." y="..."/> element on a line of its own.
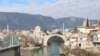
<point x="46" y="38"/>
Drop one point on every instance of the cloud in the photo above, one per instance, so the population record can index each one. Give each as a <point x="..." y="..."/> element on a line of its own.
<point x="56" y="8"/>
<point x="80" y="8"/>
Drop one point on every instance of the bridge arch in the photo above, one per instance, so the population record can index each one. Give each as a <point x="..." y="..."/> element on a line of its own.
<point x="46" y="39"/>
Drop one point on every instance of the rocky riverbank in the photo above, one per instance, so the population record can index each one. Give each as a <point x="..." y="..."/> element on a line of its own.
<point x="79" y="52"/>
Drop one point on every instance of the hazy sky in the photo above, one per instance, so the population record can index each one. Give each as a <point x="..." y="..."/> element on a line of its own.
<point x="54" y="8"/>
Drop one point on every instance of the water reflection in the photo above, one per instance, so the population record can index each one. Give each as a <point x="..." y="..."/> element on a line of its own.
<point x="51" y="50"/>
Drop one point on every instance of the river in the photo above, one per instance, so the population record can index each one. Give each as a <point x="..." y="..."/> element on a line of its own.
<point x="51" y="50"/>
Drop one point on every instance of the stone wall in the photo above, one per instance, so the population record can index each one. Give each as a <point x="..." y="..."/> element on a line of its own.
<point x="13" y="51"/>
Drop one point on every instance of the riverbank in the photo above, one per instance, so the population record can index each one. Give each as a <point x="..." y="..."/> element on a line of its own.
<point x="79" y="52"/>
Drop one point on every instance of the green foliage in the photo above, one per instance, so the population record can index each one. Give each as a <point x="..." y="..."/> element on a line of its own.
<point x="60" y="32"/>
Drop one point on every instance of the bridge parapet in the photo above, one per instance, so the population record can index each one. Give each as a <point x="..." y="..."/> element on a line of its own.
<point x="10" y="51"/>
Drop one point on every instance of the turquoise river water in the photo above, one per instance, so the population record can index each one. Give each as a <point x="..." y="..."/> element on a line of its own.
<point x="51" y="50"/>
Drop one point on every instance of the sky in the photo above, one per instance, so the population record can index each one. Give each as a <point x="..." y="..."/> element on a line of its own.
<point x="54" y="8"/>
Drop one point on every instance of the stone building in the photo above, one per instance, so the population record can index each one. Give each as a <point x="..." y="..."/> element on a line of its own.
<point x="86" y="28"/>
<point x="37" y="34"/>
<point x="96" y="39"/>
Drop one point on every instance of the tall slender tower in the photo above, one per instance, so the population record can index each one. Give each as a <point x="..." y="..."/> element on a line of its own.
<point x="7" y="28"/>
<point x="86" y="23"/>
<point x="63" y="27"/>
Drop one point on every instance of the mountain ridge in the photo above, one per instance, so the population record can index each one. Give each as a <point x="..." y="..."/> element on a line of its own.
<point x="28" y="21"/>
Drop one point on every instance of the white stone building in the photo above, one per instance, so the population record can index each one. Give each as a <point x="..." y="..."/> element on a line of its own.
<point x="96" y="39"/>
<point x="37" y="34"/>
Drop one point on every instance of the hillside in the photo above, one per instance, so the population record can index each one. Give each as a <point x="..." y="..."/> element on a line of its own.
<point x="29" y="21"/>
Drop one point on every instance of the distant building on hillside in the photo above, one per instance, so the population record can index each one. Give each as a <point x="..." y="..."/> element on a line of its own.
<point x="86" y="28"/>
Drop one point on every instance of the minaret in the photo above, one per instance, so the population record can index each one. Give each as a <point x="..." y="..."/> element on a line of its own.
<point x="86" y="23"/>
<point x="63" y="27"/>
<point x="7" y="28"/>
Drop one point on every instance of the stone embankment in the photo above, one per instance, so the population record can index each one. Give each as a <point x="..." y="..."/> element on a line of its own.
<point x="27" y="51"/>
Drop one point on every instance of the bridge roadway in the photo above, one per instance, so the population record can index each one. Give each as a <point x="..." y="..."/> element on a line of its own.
<point x="10" y="51"/>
